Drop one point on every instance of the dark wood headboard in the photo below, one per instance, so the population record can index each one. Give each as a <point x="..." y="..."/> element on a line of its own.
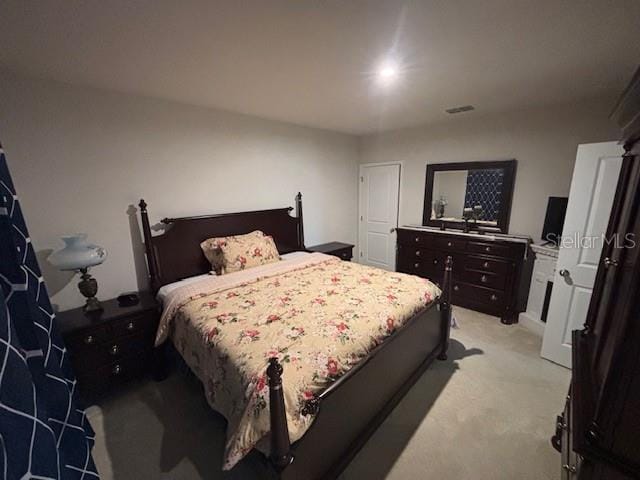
<point x="176" y="253"/>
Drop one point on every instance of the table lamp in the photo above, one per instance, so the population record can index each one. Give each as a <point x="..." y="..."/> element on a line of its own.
<point x="79" y="255"/>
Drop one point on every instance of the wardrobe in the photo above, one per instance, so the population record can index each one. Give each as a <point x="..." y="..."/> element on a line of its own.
<point x="598" y="433"/>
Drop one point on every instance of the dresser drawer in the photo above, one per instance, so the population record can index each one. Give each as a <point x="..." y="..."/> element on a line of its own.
<point x="412" y="237"/>
<point x="420" y="261"/>
<point x="487" y="265"/>
<point x="486" y="279"/>
<point x="424" y="255"/>
<point x="494" y="299"/>
<point x="412" y="266"/>
<point x="451" y="244"/>
<point x="489" y="249"/>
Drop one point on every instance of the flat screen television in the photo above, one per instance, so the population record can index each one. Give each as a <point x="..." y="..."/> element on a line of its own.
<point x="554" y="219"/>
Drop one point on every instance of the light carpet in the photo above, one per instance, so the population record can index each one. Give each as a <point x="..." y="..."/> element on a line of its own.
<point x="486" y="413"/>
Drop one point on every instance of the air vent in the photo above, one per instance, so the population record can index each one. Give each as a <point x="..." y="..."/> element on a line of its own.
<point x="465" y="108"/>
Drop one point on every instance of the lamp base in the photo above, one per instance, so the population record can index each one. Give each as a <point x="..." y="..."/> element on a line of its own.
<point x="89" y="287"/>
<point x="93" y="305"/>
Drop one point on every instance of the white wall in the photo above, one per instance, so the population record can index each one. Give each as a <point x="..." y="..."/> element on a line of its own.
<point x="80" y="158"/>
<point x="543" y="140"/>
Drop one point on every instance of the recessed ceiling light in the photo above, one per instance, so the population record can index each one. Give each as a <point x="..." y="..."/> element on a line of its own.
<point x="387" y="73"/>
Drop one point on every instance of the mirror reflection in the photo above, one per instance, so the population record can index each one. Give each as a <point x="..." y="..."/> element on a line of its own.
<point x="474" y="194"/>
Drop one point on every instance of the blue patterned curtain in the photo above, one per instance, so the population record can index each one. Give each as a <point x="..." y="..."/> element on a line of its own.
<point x="43" y="432"/>
<point x="484" y="187"/>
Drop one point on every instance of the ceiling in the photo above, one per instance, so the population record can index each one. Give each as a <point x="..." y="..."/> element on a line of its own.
<point x="312" y="62"/>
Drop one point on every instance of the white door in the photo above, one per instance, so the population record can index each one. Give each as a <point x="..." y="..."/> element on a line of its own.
<point x="593" y="187"/>
<point x="379" y="192"/>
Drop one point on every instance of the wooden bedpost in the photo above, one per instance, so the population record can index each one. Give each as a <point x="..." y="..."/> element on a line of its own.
<point x="300" y="222"/>
<point x="146" y="230"/>
<point x="281" y="455"/>
<point x="445" y="307"/>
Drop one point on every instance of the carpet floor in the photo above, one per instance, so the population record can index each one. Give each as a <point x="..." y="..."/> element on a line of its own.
<point x="486" y="413"/>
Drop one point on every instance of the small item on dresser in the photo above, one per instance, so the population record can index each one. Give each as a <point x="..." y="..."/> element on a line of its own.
<point x="128" y="299"/>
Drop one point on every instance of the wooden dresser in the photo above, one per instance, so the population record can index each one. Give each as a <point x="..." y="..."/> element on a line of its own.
<point x="490" y="274"/>
<point x="110" y="346"/>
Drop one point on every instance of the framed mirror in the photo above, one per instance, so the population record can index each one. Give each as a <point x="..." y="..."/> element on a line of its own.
<point x="469" y="193"/>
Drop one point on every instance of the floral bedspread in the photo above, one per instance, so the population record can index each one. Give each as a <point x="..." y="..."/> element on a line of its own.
<point x="317" y="314"/>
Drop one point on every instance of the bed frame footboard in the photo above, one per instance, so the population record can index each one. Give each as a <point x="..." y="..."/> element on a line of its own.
<point x="281" y="455"/>
<point x="350" y="410"/>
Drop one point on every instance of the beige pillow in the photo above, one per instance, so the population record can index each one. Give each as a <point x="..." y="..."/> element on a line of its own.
<point x="239" y="252"/>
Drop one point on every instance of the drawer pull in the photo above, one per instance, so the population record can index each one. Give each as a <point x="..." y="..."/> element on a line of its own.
<point x="130" y="326"/>
<point x="116" y="369"/>
<point x="417" y="253"/>
<point x="485" y="264"/>
<point x="449" y="244"/>
<point x="89" y="339"/>
<point x="416" y="265"/>
<point x="487" y="249"/>
<point x="456" y="288"/>
<point x="417" y="239"/>
<point x="114" y="350"/>
<point x="435" y="262"/>
<point x="493" y="297"/>
<point x="484" y="279"/>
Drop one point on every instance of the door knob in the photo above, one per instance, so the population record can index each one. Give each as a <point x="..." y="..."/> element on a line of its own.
<point x="564" y="272"/>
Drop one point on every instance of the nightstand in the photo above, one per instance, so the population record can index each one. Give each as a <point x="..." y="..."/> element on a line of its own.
<point x="109" y="347"/>
<point x="337" y="249"/>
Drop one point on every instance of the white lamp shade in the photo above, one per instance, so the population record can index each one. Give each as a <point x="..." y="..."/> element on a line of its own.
<point x="77" y="253"/>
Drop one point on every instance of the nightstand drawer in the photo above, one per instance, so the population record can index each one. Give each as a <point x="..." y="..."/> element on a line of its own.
<point x="102" y="379"/>
<point x="88" y="338"/>
<point x="97" y="356"/>
<point x="341" y="250"/>
<point x="134" y="324"/>
<point x="344" y="254"/>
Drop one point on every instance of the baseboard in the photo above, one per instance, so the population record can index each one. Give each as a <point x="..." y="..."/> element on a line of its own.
<point x="532" y="324"/>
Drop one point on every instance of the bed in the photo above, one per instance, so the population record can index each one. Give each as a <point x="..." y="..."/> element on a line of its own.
<point x="308" y="423"/>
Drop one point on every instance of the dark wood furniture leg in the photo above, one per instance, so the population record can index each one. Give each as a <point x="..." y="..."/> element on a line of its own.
<point x="281" y="455"/>
<point x="160" y="368"/>
<point x="445" y="308"/>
